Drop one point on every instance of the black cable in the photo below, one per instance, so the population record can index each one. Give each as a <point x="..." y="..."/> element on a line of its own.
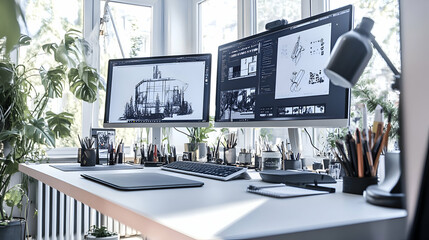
<point x="311" y="141"/>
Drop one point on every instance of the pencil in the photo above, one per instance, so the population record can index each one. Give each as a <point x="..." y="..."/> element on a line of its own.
<point x="383" y="144"/>
<point x="359" y="154"/>
<point x="367" y="151"/>
<point x="370" y="139"/>
<point x="379" y="130"/>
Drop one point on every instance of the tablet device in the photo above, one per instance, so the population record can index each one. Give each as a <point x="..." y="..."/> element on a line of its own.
<point x="141" y="180"/>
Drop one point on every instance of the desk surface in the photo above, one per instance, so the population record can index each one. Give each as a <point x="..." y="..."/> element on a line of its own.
<point x="224" y="210"/>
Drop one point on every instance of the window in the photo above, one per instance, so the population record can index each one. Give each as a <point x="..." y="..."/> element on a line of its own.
<point x="269" y="10"/>
<point x="215" y="31"/>
<point x="134" y="31"/>
<point x="47" y="22"/>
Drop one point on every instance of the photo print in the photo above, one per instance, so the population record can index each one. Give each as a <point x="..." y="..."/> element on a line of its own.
<point x="301" y="58"/>
<point x="237" y="104"/>
<point x="103" y="136"/>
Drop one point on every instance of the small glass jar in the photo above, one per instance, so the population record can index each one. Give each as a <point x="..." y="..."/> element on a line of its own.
<point x="271" y="160"/>
<point x="335" y="170"/>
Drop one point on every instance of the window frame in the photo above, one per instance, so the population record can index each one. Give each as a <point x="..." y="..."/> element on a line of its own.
<point x="90" y="111"/>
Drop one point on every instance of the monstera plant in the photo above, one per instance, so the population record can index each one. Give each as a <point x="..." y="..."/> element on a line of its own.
<point x="26" y="124"/>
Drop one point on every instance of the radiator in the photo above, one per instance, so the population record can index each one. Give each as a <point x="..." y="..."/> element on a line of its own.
<point x="64" y="218"/>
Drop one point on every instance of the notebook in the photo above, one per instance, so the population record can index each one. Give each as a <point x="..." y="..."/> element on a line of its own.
<point x="283" y="191"/>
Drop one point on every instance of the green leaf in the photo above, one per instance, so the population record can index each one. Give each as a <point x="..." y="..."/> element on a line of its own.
<point x="38" y="131"/>
<point x="60" y="123"/>
<point x="61" y="55"/>
<point x="14" y="195"/>
<point x="50" y="47"/>
<point x="53" y="80"/>
<point x="9" y="26"/>
<point x="24" y="40"/>
<point x="84" y="82"/>
<point x="8" y="134"/>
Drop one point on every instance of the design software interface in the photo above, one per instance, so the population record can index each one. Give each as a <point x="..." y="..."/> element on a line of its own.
<point x="278" y="75"/>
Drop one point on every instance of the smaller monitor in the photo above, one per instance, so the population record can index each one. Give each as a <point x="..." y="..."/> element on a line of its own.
<point x="168" y="91"/>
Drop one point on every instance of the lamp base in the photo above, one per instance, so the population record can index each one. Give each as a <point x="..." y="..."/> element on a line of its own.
<point x="375" y="195"/>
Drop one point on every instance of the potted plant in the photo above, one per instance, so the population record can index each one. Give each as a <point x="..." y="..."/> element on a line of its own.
<point x="197" y="141"/>
<point x="12" y="227"/>
<point x="101" y="233"/>
<point x="26" y="125"/>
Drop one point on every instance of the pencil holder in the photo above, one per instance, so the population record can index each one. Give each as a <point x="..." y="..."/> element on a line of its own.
<point x="271" y="160"/>
<point x="230" y="156"/>
<point x="293" y="164"/>
<point x="88" y="158"/>
<point x="356" y="185"/>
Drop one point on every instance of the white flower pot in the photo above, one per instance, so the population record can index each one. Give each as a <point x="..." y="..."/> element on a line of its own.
<point x="114" y="237"/>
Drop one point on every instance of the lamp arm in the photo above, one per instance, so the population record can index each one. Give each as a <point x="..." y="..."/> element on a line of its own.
<point x="384" y="56"/>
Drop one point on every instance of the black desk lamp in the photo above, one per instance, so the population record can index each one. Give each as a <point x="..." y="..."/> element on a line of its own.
<point x="351" y="55"/>
<point x="349" y="58"/>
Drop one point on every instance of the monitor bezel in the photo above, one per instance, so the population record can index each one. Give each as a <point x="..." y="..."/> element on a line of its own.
<point x="337" y="122"/>
<point x="205" y="122"/>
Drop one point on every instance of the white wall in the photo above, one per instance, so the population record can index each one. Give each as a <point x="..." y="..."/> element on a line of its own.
<point x="414" y="93"/>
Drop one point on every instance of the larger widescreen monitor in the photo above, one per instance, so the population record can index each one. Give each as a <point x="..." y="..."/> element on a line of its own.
<point x="168" y="91"/>
<point x="276" y="78"/>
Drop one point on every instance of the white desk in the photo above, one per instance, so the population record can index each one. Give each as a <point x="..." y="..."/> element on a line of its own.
<point x="224" y="210"/>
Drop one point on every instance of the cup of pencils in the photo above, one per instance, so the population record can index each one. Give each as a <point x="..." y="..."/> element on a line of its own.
<point x="88" y="153"/>
<point x="359" y="155"/>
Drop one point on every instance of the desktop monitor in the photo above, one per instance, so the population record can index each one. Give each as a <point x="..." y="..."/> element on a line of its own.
<point x="167" y="91"/>
<point x="276" y="78"/>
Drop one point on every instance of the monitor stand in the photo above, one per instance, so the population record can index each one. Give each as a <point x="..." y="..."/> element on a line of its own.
<point x="294" y="139"/>
<point x="156" y="136"/>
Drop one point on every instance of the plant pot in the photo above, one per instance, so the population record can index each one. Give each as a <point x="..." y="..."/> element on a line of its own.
<point x="14" y="230"/>
<point x="114" y="237"/>
<point x="88" y="158"/>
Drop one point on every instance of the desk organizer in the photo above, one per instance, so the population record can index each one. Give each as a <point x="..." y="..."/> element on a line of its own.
<point x="356" y="185"/>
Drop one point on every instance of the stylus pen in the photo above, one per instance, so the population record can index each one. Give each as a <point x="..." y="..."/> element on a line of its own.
<point x="253" y="187"/>
<point x="354" y="155"/>
<point x="311" y="187"/>
<point x="359" y="154"/>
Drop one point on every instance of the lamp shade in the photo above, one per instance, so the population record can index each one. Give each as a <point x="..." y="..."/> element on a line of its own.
<point x="351" y="55"/>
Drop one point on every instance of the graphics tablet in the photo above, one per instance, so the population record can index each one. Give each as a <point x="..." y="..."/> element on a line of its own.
<point x="141" y="180"/>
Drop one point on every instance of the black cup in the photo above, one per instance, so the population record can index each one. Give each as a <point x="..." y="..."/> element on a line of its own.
<point x="292" y="164"/>
<point x="88" y="158"/>
<point x="356" y="185"/>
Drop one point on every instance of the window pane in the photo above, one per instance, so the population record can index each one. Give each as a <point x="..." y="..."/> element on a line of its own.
<point x="270" y="10"/>
<point x="134" y="26"/>
<point x="47" y="22"/>
<point x="215" y="31"/>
